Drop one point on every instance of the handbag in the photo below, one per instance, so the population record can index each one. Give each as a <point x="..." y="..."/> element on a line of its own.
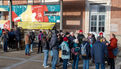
<point x="73" y="51"/>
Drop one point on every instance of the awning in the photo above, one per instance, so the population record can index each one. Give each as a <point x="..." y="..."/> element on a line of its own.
<point x="36" y="25"/>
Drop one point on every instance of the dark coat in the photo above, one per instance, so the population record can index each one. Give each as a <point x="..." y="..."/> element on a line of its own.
<point x="11" y="36"/>
<point x="54" y="44"/>
<point x="113" y="45"/>
<point x="80" y="37"/>
<point x="45" y="45"/>
<point x="17" y="34"/>
<point x="88" y="54"/>
<point x="71" y="38"/>
<point x="32" y="36"/>
<point x="98" y="52"/>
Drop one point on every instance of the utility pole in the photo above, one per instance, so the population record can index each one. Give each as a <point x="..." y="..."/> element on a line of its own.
<point x="10" y="14"/>
<point x="61" y="14"/>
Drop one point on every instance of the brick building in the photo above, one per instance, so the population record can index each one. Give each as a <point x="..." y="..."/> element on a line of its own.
<point x="89" y="15"/>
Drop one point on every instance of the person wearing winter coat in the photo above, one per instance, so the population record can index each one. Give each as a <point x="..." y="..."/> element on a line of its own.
<point x="27" y="43"/>
<point x="80" y="36"/>
<point x="98" y="53"/>
<point x="85" y="53"/>
<point x="4" y="38"/>
<point x="100" y="37"/>
<point x="65" y="52"/>
<point x="32" y="38"/>
<point x="54" y="46"/>
<point x="111" y="47"/>
<point x="40" y="36"/>
<point x="17" y="33"/>
<point x="76" y="56"/>
<point x="45" y="45"/>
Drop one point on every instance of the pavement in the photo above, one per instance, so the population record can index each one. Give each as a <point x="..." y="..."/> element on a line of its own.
<point x="18" y="60"/>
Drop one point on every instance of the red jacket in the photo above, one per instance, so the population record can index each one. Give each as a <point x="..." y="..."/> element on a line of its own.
<point x="113" y="45"/>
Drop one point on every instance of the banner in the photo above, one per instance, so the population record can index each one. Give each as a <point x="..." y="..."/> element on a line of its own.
<point x="34" y="13"/>
<point x="5" y="24"/>
<point x="36" y="25"/>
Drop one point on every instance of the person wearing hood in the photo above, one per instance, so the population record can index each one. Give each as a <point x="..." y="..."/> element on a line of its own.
<point x="54" y="46"/>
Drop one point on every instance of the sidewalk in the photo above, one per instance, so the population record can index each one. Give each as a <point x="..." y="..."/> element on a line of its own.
<point x="18" y="60"/>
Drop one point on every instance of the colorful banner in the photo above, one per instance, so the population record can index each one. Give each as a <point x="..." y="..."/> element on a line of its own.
<point x="5" y="24"/>
<point x="34" y="13"/>
<point x="36" y="25"/>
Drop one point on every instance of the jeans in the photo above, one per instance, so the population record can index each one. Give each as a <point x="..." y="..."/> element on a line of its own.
<point x="112" y="63"/>
<point x="54" y="59"/>
<point x="86" y="64"/>
<point x="27" y="49"/>
<point x="102" y="66"/>
<point x="45" y="57"/>
<point x="65" y="61"/>
<point x="5" y="46"/>
<point x="32" y="45"/>
<point x="75" y="62"/>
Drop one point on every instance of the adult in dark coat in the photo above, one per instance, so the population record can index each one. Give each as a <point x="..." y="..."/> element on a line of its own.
<point x="87" y="56"/>
<point x="111" y="47"/>
<point x="11" y="36"/>
<point x="17" y="33"/>
<point x="80" y="36"/>
<point x="54" y="46"/>
<point x="32" y="38"/>
<point x="98" y="53"/>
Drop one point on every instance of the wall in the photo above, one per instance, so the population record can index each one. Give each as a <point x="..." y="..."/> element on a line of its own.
<point x="73" y="14"/>
<point x="116" y="19"/>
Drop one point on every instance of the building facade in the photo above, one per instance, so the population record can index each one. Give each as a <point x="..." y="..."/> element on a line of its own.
<point x="89" y="15"/>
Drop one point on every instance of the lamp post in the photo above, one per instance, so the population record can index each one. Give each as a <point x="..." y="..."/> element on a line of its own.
<point x="61" y="14"/>
<point x="10" y="14"/>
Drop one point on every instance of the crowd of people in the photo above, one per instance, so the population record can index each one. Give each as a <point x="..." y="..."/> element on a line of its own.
<point x="67" y="47"/>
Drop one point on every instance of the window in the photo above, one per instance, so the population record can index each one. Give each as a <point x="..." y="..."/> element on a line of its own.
<point x="97" y="18"/>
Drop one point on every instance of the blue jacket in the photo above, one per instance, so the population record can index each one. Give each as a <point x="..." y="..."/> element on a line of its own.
<point x="98" y="52"/>
<point x="65" y="46"/>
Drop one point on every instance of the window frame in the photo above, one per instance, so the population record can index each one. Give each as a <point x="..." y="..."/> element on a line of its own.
<point x="97" y="14"/>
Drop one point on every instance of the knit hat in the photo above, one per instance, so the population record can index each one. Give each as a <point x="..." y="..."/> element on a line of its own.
<point x="101" y="33"/>
<point x="65" y="39"/>
<point x="80" y="31"/>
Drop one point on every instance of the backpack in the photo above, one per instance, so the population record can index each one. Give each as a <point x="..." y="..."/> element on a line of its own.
<point x="73" y="51"/>
<point x="115" y="51"/>
<point x="83" y="50"/>
<point x="64" y="51"/>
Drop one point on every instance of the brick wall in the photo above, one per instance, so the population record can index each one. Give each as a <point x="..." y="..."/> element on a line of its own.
<point x="73" y="14"/>
<point x="116" y="17"/>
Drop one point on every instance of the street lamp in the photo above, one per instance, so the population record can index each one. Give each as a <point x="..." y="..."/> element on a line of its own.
<point x="10" y="12"/>
<point x="61" y="14"/>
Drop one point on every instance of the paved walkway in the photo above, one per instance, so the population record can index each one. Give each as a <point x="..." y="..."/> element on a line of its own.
<point x="18" y="60"/>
